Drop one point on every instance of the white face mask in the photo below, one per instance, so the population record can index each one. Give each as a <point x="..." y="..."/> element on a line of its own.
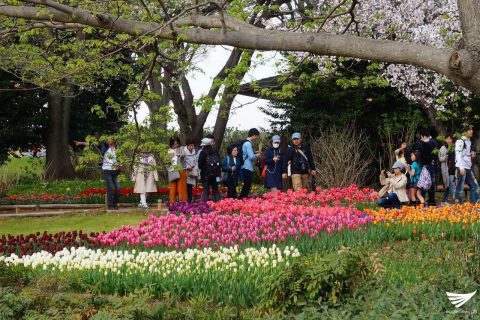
<point x="276" y="144"/>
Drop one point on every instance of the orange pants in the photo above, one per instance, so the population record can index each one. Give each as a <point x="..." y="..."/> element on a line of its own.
<point x="180" y="187"/>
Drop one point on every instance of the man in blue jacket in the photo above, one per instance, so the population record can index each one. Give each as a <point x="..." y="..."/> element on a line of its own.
<point x="249" y="157"/>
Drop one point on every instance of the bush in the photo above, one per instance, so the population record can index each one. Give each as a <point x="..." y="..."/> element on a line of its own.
<point x="342" y="157"/>
<point x="314" y="279"/>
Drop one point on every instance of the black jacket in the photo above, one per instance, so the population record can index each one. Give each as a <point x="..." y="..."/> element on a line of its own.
<point x="202" y="160"/>
<point x="426" y="151"/>
<point x="300" y="165"/>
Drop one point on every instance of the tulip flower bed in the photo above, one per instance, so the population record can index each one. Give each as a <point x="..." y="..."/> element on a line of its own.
<point x="461" y="213"/>
<point x="227" y="251"/>
<point x="215" y="230"/>
<point x="241" y="273"/>
<point x="301" y="202"/>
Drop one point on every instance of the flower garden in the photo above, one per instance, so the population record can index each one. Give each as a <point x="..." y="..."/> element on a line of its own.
<point x="322" y="254"/>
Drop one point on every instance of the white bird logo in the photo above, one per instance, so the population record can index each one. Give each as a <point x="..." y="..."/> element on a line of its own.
<point x="459" y="299"/>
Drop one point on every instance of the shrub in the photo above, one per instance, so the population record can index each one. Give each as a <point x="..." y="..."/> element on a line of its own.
<point x="342" y="157"/>
<point x="314" y="279"/>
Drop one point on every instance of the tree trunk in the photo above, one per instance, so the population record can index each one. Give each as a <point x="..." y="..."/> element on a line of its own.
<point x="229" y="95"/>
<point x="59" y="165"/>
<point x="438" y="125"/>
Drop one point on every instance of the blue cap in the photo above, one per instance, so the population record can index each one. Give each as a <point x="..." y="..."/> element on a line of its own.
<point x="296" y="135"/>
<point x="398" y="165"/>
<point x="276" y="138"/>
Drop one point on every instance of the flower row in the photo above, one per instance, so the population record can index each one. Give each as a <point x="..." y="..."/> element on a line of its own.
<point x="216" y="230"/>
<point x="90" y="193"/>
<point x="163" y="263"/>
<point x="299" y="202"/>
<point x="35" y="242"/>
<point x="461" y="213"/>
<point x="196" y="207"/>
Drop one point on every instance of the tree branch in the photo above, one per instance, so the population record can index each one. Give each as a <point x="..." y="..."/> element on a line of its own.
<point x="258" y="39"/>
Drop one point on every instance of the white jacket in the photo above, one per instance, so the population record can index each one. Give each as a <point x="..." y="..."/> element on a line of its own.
<point x="463" y="155"/>
<point x="190" y="160"/>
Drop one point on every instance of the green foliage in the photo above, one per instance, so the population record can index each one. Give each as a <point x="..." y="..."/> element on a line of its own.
<point x="12" y="306"/>
<point x="130" y="140"/>
<point x="22" y="117"/>
<point x="315" y="278"/>
<point x="356" y="92"/>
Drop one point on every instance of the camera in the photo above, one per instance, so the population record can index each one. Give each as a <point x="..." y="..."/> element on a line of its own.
<point x="303" y="165"/>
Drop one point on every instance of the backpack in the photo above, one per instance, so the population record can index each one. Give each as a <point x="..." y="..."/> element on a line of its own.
<point x="239" y="145"/>
<point x="214" y="167"/>
<point x="425" y="180"/>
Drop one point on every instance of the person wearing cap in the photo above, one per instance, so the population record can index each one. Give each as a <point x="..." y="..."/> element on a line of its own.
<point x="463" y="162"/>
<point x="145" y="176"/>
<point x="300" y="158"/>
<point x="274" y="165"/>
<point x="179" y="186"/>
<point x="249" y="157"/>
<point x="206" y="173"/>
<point x="397" y="187"/>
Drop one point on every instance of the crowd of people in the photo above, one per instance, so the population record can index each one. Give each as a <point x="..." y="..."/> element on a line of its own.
<point x="277" y="164"/>
<point x="283" y="166"/>
<point x="290" y="165"/>
<point x="413" y="175"/>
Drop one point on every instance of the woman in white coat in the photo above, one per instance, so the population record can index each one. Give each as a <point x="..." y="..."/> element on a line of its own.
<point x="145" y="175"/>
<point x="190" y="164"/>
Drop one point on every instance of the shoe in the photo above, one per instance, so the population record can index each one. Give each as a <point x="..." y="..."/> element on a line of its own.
<point x="112" y="208"/>
<point x="143" y="206"/>
<point x="444" y="203"/>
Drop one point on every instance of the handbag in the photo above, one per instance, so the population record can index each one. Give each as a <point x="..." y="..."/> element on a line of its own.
<point x="193" y="173"/>
<point x="173" y="176"/>
<point x="264" y="171"/>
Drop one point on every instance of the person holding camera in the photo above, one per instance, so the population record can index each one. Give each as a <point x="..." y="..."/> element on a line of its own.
<point x="274" y="165"/>
<point x="463" y="162"/>
<point x="249" y="157"/>
<point x="110" y="169"/>
<point x="396" y="187"/>
<point x="300" y="158"/>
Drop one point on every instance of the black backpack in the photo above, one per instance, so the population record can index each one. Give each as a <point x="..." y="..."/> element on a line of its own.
<point x="239" y="145"/>
<point x="214" y="167"/>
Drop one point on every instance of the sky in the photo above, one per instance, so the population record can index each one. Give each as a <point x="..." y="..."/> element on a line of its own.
<point x="248" y="114"/>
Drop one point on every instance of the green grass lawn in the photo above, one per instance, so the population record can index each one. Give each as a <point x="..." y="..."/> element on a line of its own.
<point x="87" y="223"/>
<point x="22" y="166"/>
